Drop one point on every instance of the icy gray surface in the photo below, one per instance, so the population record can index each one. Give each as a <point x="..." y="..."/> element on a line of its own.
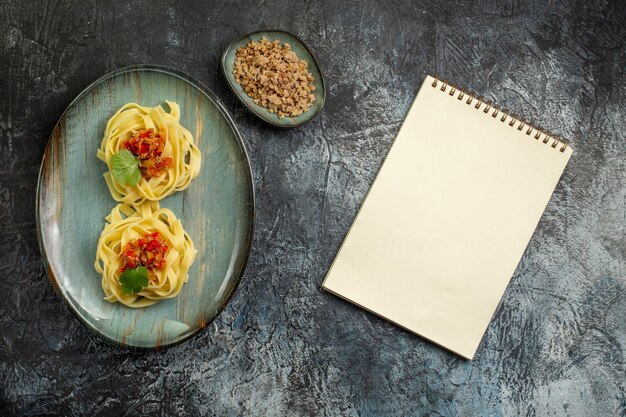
<point x="557" y="344"/>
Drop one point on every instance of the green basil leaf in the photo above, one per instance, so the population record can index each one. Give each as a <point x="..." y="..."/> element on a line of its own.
<point x="125" y="168"/>
<point x="134" y="280"/>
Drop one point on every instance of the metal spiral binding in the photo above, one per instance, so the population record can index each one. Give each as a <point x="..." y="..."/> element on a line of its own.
<point x="495" y="110"/>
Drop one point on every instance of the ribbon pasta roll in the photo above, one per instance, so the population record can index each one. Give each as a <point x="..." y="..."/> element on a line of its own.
<point x="144" y="240"/>
<point x="167" y="156"/>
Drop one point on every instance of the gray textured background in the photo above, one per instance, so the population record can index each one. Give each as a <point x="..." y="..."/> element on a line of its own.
<point x="557" y="343"/>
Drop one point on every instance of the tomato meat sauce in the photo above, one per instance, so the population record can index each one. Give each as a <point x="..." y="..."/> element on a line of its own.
<point x="148" y="146"/>
<point x="149" y="251"/>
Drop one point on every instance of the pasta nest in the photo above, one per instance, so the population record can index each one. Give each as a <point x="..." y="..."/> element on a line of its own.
<point x="179" y="145"/>
<point x="126" y="223"/>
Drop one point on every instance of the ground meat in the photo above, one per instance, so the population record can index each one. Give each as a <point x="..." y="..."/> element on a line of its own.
<point x="148" y="146"/>
<point x="149" y="251"/>
<point x="274" y="77"/>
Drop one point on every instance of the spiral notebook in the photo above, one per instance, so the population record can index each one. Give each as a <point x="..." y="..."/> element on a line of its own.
<point x="448" y="217"/>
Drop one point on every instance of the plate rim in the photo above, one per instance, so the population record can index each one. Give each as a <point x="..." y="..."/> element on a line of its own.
<point x="255" y="111"/>
<point x="251" y="210"/>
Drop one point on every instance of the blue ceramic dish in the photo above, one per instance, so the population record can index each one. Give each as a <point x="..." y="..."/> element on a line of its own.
<point x="217" y="210"/>
<point x="303" y="52"/>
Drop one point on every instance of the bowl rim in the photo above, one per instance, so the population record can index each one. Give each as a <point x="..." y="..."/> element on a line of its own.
<point x="251" y="210"/>
<point x="254" y="110"/>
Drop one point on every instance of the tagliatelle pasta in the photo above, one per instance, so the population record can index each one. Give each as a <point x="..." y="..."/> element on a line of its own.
<point x="181" y="154"/>
<point x="127" y="224"/>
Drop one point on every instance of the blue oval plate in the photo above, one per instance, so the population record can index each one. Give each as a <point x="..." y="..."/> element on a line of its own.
<point x="217" y="210"/>
<point x="303" y="52"/>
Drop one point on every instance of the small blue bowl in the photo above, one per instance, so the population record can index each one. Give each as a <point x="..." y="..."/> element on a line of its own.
<point x="303" y="52"/>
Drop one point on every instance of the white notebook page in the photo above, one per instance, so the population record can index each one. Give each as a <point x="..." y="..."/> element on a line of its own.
<point x="447" y="220"/>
